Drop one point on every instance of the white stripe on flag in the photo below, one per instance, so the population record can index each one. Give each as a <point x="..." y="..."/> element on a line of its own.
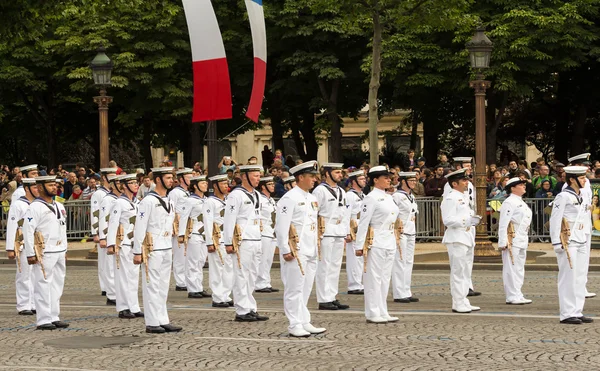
<point x="256" y="17"/>
<point x="205" y="36"/>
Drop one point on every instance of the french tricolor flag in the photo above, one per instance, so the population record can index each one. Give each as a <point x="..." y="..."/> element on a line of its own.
<point x="212" y="90"/>
<point x="259" y="42"/>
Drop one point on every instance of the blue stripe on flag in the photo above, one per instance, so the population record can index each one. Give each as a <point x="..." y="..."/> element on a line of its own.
<point x="259" y="2"/>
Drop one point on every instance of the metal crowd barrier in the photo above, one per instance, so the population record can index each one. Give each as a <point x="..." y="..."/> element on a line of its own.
<point x="429" y="219"/>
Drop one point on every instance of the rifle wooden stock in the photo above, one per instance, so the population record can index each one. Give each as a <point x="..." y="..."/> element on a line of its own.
<point x="118" y="242"/>
<point x="353" y="229"/>
<point x="189" y="228"/>
<point x="510" y="234"/>
<point x="565" y="235"/>
<point x="147" y="248"/>
<point x="216" y="237"/>
<point x="320" y="233"/>
<point x="367" y="246"/>
<point x="176" y="226"/>
<point x="293" y="242"/>
<point x="398" y="230"/>
<point x="236" y="242"/>
<point x="38" y="248"/>
<point x="18" y="243"/>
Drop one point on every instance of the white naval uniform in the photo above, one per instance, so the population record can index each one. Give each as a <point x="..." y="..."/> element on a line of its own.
<point x="354" y="264"/>
<point x="18" y="193"/>
<point x="95" y="202"/>
<point x="379" y="212"/>
<point x="332" y="207"/>
<point x="127" y="276"/>
<point x="514" y="210"/>
<point x="299" y="208"/>
<point x="471" y="195"/>
<point x="178" y="197"/>
<point x="51" y="221"/>
<point x="243" y="208"/>
<point x="268" y="242"/>
<point x="571" y="282"/>
<point x="403" y="266"/>
<point x="109" y="261"/>
<point x="196" y="250"/>
<point x="155" y="217"/>
<point x="220" y="274"/>
<point x="23" y="279"/>
<point x="458" y="238"/>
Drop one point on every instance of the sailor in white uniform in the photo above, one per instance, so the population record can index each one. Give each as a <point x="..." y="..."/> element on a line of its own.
<point x="109" y="263"/>
<point x="266" y="188"/>
<point x="514" y="211"/>
<point x="178" y="197"/>
<point x="29" y="171"/>
<point x="354" y="264"/>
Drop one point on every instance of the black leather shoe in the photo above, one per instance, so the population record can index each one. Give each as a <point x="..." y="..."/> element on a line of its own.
<point x="230" y="303"/>
<point x="265" y="290"/>
<point x="195" y="295"/>
<point x="273" y="289"/>
<point x="206" y="294"/>
<point x="340" y="305"/>
<point x="60" y="324"/>
<point x="111" y="302"/>
<point x="259" y="317"/>
<point x="34" y="311"/>
<point x="171" y="328"/>
<point x="139" y="314"/>
<point x="46" y="326"/>
<point x="402" y="300"/>
<point x="155" y="330"/>
<point x="248" y="317"/>
<point x="103" y="293"/>
<point x="413" y="299"/>
<point x="126" y="314"/>
<point x="180" y="288"/>
<point x="571" y="321"/>
<point x="356" y="292"/>
<point x="328" y="306"/>
<point x="473" y="293"/>
<point x="220" y="305"/>
<point x="26" y="312"/>
<point x="586" y="319"/>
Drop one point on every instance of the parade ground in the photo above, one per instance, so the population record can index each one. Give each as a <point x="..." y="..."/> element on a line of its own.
<point x="427" y="337"/>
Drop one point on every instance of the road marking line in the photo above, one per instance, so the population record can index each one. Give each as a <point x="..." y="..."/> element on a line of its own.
<point x="45" y="368"/>
<point x="271" y="340"/>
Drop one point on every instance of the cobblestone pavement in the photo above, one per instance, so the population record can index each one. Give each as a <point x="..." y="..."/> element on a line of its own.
<point x="428" y="336"/>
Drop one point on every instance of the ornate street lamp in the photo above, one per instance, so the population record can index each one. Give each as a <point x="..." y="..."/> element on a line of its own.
<point x="480" y="51"/>
<point x="102" y="70"/>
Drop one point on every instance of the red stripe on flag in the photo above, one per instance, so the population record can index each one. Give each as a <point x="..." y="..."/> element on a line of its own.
<point x="212" y="91"/>
<point x="258" y="89"/>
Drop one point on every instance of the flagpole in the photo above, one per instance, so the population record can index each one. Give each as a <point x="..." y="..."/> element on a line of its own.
<point x="213" y="153"/>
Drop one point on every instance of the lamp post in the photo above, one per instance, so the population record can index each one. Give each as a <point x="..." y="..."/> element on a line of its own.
<point x="101" y="70"/>
<point x="480" y="50"/>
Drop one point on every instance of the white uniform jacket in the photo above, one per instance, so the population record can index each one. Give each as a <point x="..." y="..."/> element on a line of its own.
<point x="299" y="208"/>
<point x="51" y="221"/>
<point x="380" y="212"/>
<point x="353" y="204"/>
<point x="267" y="213"/>
<point x="514" y="210"/>
<point x="470" y="193"/>
<point x="155" y="215"/>
<point x="407" y="205"/>
<point x="16" y="215"/>
<point x="105" y="210"/>
<point x="18" y="193"/>
<point x="123" y="213"/>
<point x="332" y="207"/>
<point x="192" y="209"/>
<point x="178" y="197"/>
<point x="456" y="215"/>
<point x="213" y="212"/>
<point x="95" y="202"/>
<point x="242" y="208"/>
<point x="574" y="208"/>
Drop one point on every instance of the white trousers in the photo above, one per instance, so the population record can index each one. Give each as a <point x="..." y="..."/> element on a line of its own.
<point x="402" y="271"/>
<point x="178" y="263"/>
<point x="47" y="292"/>
<point x="108" y="272"/>
<point x="328" y="269"/>
<point x="471" y="286"/>
<point x="377" y="281"/>
<point x="127" y="281"/>
<point x="461" y="263"/>
<point x="101" y="257"/>
<point x="297" y="289"/>
<point x="245" y="278"/>
<point x="195" y="259"/>
<point x="571" y="282"/>
<point x="24" y="285"/>
<point x="589" y="249"/>
<point x="354" y="268"/>
<point x="220" y="275"/>
<point x="156" y="291"/>
<point x="265" y="258"/>
<point x="513" y="275"/>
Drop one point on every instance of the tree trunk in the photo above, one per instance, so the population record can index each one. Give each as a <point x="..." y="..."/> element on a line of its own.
<point x="494" y="119"/>
<point x="431" y="143"/>
<point x="335" y="135"/>
<point x="51" y="140"/>
<point x="147" y="144"/>
<point x="578" y="141"/>
<point x="295" y="128"/>
<point x="197" y="150"/>
<point x="309" y="135"/>
<point x="561" y="134"/>
<point x="277" y="129"/>
<point x="374" y="87"/>
<point x="413" y="132"/>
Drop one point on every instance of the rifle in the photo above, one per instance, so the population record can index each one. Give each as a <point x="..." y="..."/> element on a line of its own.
<point x="353" y="229"/>
<point x="189" y="228"/>
<point x="320" y="233"/>
<point x="565" y="235"/>
<point x="236" y="242"/>
<point x="38" y="249"/>
<point x="18" y="242"/>
<point x="398" y="230"/>
<point x="510" y="232"/>
<point x="176" y="226"/>
<point x="294" y="240"/>
<point x="147" y="248"/>
<point x="118" y="242"/>
<point x="216" y="237"/>
<point x="367" y="246"/>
